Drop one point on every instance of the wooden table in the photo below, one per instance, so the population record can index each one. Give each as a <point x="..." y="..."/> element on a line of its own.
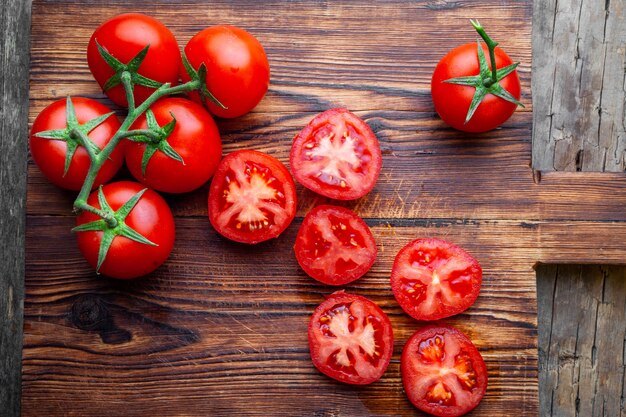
<point x="211" y="332"/>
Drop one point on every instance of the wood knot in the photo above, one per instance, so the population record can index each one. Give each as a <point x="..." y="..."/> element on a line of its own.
<point x="90" y="313"/>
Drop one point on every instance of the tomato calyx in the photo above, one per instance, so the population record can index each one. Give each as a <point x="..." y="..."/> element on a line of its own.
<point x="488" y="80"/>
<point x="200" y="77"/>
<point x="112" y="224"/>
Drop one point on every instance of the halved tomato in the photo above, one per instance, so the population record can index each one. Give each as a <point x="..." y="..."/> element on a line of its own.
<point x="433" y="279"/>
<point x="442" y="371"/>
<point x="334" y="245"/>
<point x="350" y="338"/>
<point x="336" y="155"/>
<point x="252" y="197"/>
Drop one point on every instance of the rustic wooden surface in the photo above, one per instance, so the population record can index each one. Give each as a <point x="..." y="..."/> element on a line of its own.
<point x="14" y="46"/>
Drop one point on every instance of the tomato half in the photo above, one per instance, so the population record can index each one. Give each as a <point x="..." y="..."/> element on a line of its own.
<point x="195" y="139"/>
<point x="126" y="35"/>
<point x="433" y="279"/>
<point x="150" y="217"/>
<point x="334" y="245"/>
<point x="350" y="339"/>
<point x="442" y="372"/>
<point x="252" y="197"/>
<point x="336" y="155"/>
<point x="452" y="101"/>
<point x="237" y="67"/>
<point x="50" y="154"/>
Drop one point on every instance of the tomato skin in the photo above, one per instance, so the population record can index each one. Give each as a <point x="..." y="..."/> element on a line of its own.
<point x="347" y="246"/>
<point x="252" y="197"/>
<point x="195" y="138"/>
<point x="49" y="154"/>
<point x="328" y="162"/>
<point x="433" y="270"/>
<point x="124" y="36"/>
<point x="323" y="343"/>
<point x="238" y="69"/>
<point x="151" y="217"/>
<point x="452" y="101"/>
<point x="421" y="361"/>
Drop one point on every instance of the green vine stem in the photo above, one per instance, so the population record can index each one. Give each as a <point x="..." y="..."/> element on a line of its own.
<point x="491" y="45"/>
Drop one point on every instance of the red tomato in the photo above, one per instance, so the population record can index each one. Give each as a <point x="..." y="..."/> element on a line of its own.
<point x="195" y="139"/>
<point x="126" y="35"/>
<point x="252" y="197"/>
<point x="442" y="371"/>
<point x="151" y="217"/>
<point x="50" y="154"/>
<point x="350" y="339"/>
<point x="238" y="70"/>
<point x="334" y="245"/>
<point x="452" y="101"/>
<point x="433" y="279"/>
<point x="336" y="155"/>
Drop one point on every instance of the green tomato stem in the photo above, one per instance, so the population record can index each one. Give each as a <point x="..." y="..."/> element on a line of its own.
<point x="491" y="44"/>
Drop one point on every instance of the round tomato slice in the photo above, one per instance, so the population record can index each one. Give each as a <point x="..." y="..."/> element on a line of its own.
<point x="433" y="279"/>
<point x="252" y="197"/>
<point x="442" y="371"/>
<point x="350" y="338"/>
<point x="336" y="155"/>
<point x="334" y="245"/>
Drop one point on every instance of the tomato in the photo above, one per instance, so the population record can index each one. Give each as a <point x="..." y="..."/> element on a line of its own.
<point x="334" y="245"/>
<point x="442" y="372"/>
<point x="350" y="339"/>
<point x="124" y="37"/>
<point x="452" y="101"/>
<point x="252" y="197"/>
<point x="336" y="155"/>
<point x="433" y="279"/>
<point x="51" y="155"/>
<point x="150" y="217"/>
<point x="238" y="70"/>
<point x="195" y="142"/>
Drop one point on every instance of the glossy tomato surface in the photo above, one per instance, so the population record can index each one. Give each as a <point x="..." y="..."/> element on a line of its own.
<point x="350" y="339"/>
<point x="336" y="155"/>
<point x="433" y="279"/>
<point x="334" y="245"/>
<point x="124" y="36"/>
<point x="195" y="138"/>
<point x="50" y="154"/>
<point x="252" y="197"/>
<point x="442" y="372"/>
<point x="151" y="217"/>
<point x="238" y="69"/>
<point x="452" y="101"/>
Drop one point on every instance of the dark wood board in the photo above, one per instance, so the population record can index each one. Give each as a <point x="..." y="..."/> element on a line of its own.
<point x="211" y="332"/>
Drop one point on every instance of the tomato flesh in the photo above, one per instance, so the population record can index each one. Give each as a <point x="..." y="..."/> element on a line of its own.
<point x="350" y="339"/>
<point x="334" y="245"/>
<point x="442" y="371"/>
<point x="433" y="279"/>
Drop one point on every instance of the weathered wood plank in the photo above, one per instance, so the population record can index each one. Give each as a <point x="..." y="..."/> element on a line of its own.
<point x="14" y="61"/>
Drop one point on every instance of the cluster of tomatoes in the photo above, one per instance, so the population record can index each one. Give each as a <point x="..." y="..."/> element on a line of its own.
<point x="126" y="230"/>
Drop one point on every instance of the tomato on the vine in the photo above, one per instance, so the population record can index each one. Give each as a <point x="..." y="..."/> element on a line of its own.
<point x="334" y="245"/>
<point x="139" y="241"/>
<point x="336" y="155"/>
<point x="124" y="38"/>
<point x="60" y="155"/>
<point x="350" y="339"/>
<point x="238" y="72"/>
<point x="185" y="153"/>
<point x="442" y="372"/>
<point x="252" y="197"/>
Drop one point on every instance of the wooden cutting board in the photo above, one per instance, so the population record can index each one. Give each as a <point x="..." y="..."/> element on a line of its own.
<point x="220" y="329"/>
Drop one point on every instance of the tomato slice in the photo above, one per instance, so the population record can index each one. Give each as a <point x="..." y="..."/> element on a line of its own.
<point x="252" y="197"/>
<point x="433" y="279"/>
<point x="334" y="245"/>
<point x="442" y="371"/>
<point x="350" y="339"/>
<point x="336" y="155"/>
